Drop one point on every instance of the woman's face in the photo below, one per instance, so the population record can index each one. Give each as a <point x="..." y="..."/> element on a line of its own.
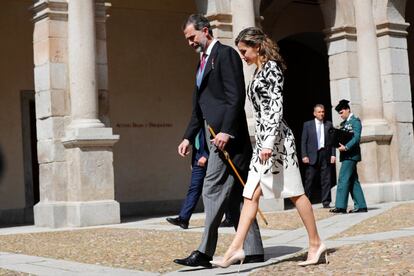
<point x="249" y="54"/>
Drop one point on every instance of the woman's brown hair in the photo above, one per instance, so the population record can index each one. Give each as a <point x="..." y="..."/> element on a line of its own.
<point x="268" y="49"/>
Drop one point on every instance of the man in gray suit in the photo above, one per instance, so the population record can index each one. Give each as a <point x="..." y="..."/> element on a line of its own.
<point x="318" y="154"/>
<point x="218" y="101"/>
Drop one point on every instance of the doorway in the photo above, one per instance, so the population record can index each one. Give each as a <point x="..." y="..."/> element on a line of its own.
<point x="31" y="164"/>
<point x="306" y="84"/>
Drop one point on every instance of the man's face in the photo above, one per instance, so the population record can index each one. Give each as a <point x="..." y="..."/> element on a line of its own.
<point x="197" y="39"/>
<point x="344" y="113"/>
<point x="319" y="113"/>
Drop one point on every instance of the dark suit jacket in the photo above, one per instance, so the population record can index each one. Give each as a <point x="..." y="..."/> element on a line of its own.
<point x="220" y="102"/>
<point x="309" y="143"/>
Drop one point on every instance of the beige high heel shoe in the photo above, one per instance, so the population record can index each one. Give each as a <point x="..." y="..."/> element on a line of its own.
<point x="236" y="257"/>
<point x="322" y="249"/>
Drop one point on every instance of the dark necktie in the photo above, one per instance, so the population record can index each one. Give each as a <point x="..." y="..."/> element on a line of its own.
<point x="201" y="70"/>
<point x="203" y="62"/>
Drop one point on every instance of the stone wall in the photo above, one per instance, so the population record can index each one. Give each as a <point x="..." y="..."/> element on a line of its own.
<point x="151" y="80"/>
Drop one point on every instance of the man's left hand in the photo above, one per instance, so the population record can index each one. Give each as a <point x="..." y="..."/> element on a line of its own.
<point x="220" y="141"/>
<point x="333" y="159"/>
<point x="202" y="161"/>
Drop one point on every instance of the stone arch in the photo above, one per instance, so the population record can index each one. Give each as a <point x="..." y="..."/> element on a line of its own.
<point x="338" y="13"/>
<point x="302" y="44"/>
<point x="389" y="11"/>
<point x="302" y="38"/>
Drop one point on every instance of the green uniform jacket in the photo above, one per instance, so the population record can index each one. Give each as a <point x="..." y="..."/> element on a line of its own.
<point x="353" y="151"/>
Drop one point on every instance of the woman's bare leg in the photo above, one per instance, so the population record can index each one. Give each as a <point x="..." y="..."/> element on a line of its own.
<point x="305" y="210"/>
<point x="247" y="216"/>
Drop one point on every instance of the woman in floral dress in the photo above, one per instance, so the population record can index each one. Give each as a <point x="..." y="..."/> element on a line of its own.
<point x="274" y="169"/>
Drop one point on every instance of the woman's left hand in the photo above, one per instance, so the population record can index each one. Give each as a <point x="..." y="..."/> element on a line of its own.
<point x="265" y="154"/>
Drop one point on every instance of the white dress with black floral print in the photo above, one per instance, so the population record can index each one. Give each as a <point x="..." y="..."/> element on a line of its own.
<point x="279" y="177"/>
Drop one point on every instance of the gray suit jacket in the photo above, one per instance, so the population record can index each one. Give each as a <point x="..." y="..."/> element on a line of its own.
<point x="309" y="143"/>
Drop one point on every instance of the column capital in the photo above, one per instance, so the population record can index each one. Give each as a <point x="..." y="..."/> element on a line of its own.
<point x="53" y="9"/>
<point x="222" y="23"/>
<point x="375" y="130"/>
<point x="392" y="29"/>
<point x="89" y="137"/>
<point x="338" y="33"/>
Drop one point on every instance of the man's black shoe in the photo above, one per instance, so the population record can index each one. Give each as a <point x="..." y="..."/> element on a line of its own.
<point x="196" y="258"/>
<point x="338" y="211"/>
<point x="359" y="210"/>
<point x="226" y="223"/>
<point x="178" y="221"/>
<point x="326" y="204"/>
<point x="259" y="258"/>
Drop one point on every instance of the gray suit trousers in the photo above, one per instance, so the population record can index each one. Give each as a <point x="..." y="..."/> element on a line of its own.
<point x="221" y="190"/>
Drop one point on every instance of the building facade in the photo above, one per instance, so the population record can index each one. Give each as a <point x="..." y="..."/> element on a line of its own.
<point x="95" y="96"/>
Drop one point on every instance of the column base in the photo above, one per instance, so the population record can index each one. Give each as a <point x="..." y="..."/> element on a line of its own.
<point x="76" y="213"/>
<point x="384" y="192"/>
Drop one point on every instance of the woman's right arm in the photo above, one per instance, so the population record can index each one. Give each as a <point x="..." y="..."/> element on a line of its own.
<point x="272" y="103"/>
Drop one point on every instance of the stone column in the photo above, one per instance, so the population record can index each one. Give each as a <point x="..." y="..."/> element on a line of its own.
<point x="102" y="61"/>
<point x="343" y="68"/>
<point x="82" y="65"/>
<point x="52" y="105"/>
<point x="244" y="16"/>
<point x="89" y="186"/>
<point x="395" y="76"/>
<point x="376" y="134"/>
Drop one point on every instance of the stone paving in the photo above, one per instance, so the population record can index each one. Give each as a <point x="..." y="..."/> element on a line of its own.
<point x="286" y="220"/>
<point x="371" y="242"/>
<point x="5" y="272"/>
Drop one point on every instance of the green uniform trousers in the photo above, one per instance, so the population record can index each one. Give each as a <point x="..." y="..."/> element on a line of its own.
<point x="348" y="183"/>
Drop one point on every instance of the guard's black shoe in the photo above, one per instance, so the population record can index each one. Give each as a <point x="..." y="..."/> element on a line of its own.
<point x="359" y="210"/>
<point x="196" y="258"/>
<point x="338" y="210"/>
<point x="226" y="223"/>
<point x="179" y="222"/>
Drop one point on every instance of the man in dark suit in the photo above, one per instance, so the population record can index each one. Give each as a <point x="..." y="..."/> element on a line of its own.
<point x="318" y="154"/>
<point x="218" y="101"/>
<point x="198" y="172"/>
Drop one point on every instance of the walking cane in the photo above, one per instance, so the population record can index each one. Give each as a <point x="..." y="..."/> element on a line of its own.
<point x="227" y="156"/>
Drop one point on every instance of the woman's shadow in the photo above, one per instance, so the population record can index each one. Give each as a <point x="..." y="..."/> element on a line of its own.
<point x="274" y="252"/>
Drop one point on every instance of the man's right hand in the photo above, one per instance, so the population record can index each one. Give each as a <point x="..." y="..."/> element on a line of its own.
<point x="305" y="160"/>
<point x="184" y="148"/>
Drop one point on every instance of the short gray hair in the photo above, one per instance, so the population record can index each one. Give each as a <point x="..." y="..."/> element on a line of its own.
<point x="318" y="105"/>
<point x="199" y="22"/>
